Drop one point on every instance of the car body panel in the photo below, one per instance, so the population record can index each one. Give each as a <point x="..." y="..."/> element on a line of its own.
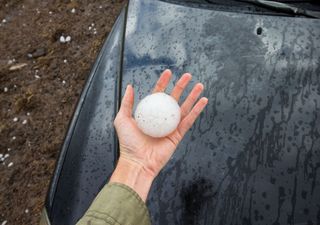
<point x="253" y="155"/>
<point x="90" y="150"/>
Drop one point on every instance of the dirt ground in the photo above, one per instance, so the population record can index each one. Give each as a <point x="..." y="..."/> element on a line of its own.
<point x="41" y="79"/>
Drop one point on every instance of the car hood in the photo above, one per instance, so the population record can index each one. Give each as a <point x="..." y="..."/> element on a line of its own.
<point x="253" y="155"/>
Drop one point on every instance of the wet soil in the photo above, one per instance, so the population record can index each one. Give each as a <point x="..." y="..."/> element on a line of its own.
<point x="41" y="79"/>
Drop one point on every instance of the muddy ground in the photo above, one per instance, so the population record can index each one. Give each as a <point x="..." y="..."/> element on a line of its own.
<point x="41" y="79"/>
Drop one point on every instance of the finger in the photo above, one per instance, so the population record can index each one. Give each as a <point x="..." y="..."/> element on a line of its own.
<point x="163" y="81"/>
<point x="127" y="102"/>
<point x="180" y="86"/>
<point x="188" y="121"/>
<point x="191" y="99"/>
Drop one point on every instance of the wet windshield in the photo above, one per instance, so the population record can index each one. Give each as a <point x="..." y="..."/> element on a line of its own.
<point x="309" y="8"/>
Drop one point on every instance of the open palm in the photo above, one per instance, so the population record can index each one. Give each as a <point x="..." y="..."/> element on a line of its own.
<point x="153" y="153"/>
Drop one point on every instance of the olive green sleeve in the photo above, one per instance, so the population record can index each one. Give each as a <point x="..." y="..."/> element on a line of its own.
<point x="116" y="204"/>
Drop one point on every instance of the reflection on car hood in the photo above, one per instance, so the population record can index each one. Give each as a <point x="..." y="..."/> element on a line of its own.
<point x="253" y="156"/>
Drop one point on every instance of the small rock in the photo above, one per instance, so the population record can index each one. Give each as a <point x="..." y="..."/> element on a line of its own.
<point x="10" y="164"/>
<point x="36" y="53"/>
<point x="5" y="89"/>
<point x="15" y="119"/>
<point x="17" y="66"/>
<point x="73" y="10"/>
<point x="24" y="122"/>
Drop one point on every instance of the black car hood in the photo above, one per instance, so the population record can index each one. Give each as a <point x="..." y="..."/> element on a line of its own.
<point x="254" y="154"/>
<point x="252" y="157"/>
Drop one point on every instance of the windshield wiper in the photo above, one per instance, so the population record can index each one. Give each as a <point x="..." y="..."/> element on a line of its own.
<point x="283" y="7"/>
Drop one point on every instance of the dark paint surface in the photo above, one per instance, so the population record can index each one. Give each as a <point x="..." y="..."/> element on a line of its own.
<point x="253" y="157"/>
<point x="88" y="156"/>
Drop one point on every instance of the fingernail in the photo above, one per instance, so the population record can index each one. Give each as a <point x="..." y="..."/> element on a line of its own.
<point x="200" y="85"/>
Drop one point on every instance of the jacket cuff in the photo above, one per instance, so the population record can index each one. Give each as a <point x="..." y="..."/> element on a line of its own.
<point x="118" y="204"/>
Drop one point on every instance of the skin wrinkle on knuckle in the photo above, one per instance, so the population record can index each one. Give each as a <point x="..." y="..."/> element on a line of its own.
<point x="192" y="99"/>
<point x="173" y="140"/>
<point x="194" y="113"/>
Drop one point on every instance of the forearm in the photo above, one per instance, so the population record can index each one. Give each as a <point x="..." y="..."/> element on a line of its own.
<point x="134" y="176"/>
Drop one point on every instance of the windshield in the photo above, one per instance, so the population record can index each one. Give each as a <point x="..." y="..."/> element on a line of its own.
<point x="253" y="6"/>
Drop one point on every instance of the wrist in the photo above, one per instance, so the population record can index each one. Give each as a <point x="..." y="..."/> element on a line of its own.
<point x="134" y="176"/>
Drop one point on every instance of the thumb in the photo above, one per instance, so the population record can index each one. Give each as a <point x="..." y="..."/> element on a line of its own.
<point x="127" y="102"/>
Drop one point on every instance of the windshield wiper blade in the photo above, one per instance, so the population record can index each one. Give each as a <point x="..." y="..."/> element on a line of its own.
<point x="286" y="8"/>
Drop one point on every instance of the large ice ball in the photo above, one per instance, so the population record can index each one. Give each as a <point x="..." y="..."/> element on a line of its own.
<point x="157" y="115"/>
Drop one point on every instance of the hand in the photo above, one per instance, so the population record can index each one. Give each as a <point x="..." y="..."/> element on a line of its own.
<point x="141" y="156"/>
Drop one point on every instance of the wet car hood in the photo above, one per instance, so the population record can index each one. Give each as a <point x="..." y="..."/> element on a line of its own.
<point x="253" y="156"/>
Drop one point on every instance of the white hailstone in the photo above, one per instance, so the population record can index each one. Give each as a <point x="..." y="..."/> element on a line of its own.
<point x="62" y="39"/>
<point x="4" y="21"/>
<point x="15" y="119"/>
<point x="63" y="82"/>
<point x="4" y="222"/>
<point x="73" y="10"/>
<point x="37" y="76"/>
<point x="65" y="61"/>
<point x="9" y="149"/>
<point x="50" y="12"/>
<point x="14" y="138"/>
<point x="157" y="115"/>
<point x="6" y="156"/>
<point x="24" y="122"/>
<point x="28" y="114"/>
<point x="10" y="164"/>
<point x="26" y="211"/>
<point x="1" y="155"/>
<point x="68" y="39"/>
<point x="5" y="89"/>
